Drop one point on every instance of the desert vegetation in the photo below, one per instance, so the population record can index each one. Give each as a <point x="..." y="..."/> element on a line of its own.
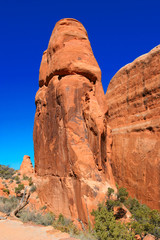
<point x="7" y="205"/>
<point x="107" y="221"/>
<point x="107" y="225"/>
<point x="6" y="172"/>
<point x="19" y="188"/>
<point x="143" y="221"/>
<point x="36" y="217"/>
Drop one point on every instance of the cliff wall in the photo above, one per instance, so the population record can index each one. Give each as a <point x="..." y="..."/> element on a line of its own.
<point x="133" y="101"/>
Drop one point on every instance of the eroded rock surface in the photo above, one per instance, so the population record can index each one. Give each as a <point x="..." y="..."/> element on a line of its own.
<point x="149" y="237"/>
<point x="133" y="100"/>
<point x="72" y="140"/>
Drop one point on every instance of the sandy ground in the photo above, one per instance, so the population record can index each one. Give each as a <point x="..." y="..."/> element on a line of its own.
<point x="16" y="230"/>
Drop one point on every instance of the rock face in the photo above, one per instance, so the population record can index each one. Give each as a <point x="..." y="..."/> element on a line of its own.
<point x="149" y="237"/>
<point x="133" y="100"/>
<point x="26" y="167"/>
<point x="72" y="140"/>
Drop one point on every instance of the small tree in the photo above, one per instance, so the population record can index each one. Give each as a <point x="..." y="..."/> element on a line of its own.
<point x="106" y="227"/>
<point x="16" y="178"/>
<point x="122" y="194"/>
<point x="6" y="190"/>
<point x="30" y="181"/>
<point x="19" y="188"/>
<point x="110" y="192"/>
<point x="25" y="177"/>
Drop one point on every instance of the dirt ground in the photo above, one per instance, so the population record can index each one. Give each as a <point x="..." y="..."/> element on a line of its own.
<point x="16" y="230"/>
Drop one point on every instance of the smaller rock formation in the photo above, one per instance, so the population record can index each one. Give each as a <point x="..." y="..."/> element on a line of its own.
<point x="122" y="213"/>
<point x="149" y="237"/>
<point x="26" y="167"/>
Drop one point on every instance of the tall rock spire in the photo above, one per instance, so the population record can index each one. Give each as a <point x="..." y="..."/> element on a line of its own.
<point x="72" y="141"/>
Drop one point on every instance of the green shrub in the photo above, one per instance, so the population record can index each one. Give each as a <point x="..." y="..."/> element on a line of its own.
<point x="44" y="207"/>
<point x="30" y="181"/>
<point x="146" y="221"/>
<point x="110" y="192"/>
<point x="25" y="177"/>
<point x="65" y="225"/>
<point x="6" y="172"/>
<point x="106" y="227"/>
<point x="122" y="194"/>
<point x="19" y="188"/>
<point x="110" y="204"/>
<point x="6" y="190"/>
<point x="31" y="216"/>
<point x="62" y="223"/>
<point x="16" y="178"/>
<point x="8" y="204"/>
<point x="84" y="236"/>
<point x="18" y="182"/>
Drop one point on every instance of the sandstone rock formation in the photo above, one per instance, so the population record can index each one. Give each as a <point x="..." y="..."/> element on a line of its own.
<point x="149" y="237"/>
<point x="133" y="100"/>
<point x="26" y="167"/>
<point x="72" y="140"/>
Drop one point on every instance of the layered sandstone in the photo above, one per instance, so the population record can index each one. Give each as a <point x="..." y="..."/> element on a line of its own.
<point x="133" y="100"/>
<point x="72" y="140"/>
<point x="26" y="167"/>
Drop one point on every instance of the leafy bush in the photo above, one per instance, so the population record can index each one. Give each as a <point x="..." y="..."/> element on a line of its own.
<point x="110" y="204"/>
<point x="44" y="207"/>
<point x="122" y="194"/>
<point x="25" y="177"/>
<point x="84" y="236"/>
<point x="8" y="204"/>
<point x="6" y="172"/>
<point x="19" y="188"/>
<point x="31" y="216"/>
<point x="146" y="221"/>
<point x="65" y="225"/>
<point x="6" y="190"/>
<point x="30" y="181"/>
<point x="106" y="227"/>
<point x="110" y="192"/>
<point x="18" y="182"/>
<point x="16" y="178"/>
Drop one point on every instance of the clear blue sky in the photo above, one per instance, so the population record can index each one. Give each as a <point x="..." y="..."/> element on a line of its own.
<point x="119" y="31"/>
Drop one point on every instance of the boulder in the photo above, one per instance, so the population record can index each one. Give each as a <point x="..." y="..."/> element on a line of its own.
<point x="149" y="237"/>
